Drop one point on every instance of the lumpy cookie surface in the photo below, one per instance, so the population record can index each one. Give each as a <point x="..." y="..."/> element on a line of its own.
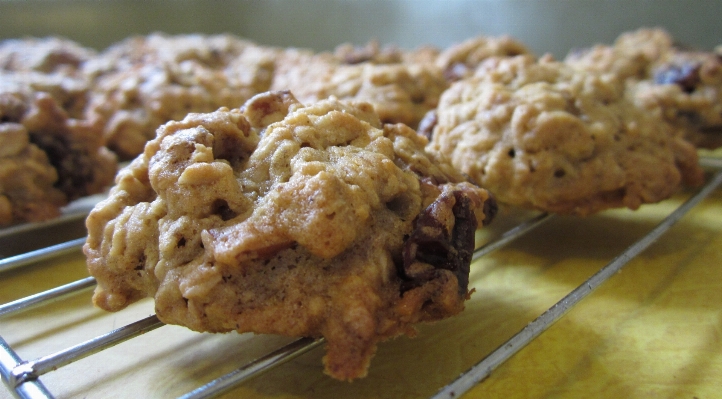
<point x="541" y="135"/>
<point x="685" y="89"/>
<point x="44" y="55"/>
<point x="326" y="224"/>
<point x="402" y="87"/>
<point x="27" y="193"/>
<point x="460" y="60"/>
<point x="630" y="56"/>
<point x="146" y="81"/>
<point x="50" y="155"/>
<point x="679" y="85"/>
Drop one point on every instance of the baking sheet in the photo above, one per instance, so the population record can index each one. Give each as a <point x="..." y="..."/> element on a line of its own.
<point x="653" y="330"/>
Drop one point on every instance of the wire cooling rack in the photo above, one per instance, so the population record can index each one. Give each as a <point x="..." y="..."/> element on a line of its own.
<point x="23" y="378"/>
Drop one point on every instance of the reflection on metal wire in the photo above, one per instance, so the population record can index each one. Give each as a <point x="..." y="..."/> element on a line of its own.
<point x="22" y="377"/>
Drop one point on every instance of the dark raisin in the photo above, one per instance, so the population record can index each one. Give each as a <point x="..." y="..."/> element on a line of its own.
<point x="220" y="207"/>
<point x="418" y="98"/>
<point x="693" y="118"/>
<point x="71" y="160"/>
<point x="230" y="146"/>
<point x="432" y="244"/>
<point x="716" y="129"/>
<point x="572" y="107"/>
<point x="398" y="205"/>
<point x="141" y="262"/>
<point x="685" y="76"/>
<point x="427" y="124"/>
<point x="12" y="109"/>
<point x="491" y="208"/>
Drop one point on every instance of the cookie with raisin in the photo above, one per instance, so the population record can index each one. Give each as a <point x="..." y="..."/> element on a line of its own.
<point x="678" y="84"/>
<point x="283" y="218"/>
<point x="146" y="81"/>
<point x="685" y="89"/>
<point x="542" y="135"/>
<point x="50" y="154"/>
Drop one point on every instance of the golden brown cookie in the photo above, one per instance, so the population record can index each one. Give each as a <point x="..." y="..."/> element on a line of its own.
<point x="48" y="156"/>
<point x="542" y="135"/>
<point x="146" y="81"/>
<point x="328" y="224"/>
<point x="685" y="89"/>
<point x="629" y="57"/>
<point x="27" y="192"/>
<point x="45" y="55"/>
<point x="389" y="54"/>
<point x="460" y="60"/>
<point x="680" y="85"/>
<point x="400" y="91"/>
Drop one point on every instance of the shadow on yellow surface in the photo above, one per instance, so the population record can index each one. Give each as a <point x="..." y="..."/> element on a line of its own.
<point x="653" y="330"/>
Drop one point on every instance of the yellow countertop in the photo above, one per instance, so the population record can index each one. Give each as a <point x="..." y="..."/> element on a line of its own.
<point x="653" y="330"/>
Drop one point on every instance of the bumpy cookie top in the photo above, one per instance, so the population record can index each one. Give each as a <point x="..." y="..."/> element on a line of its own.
<point x="685" y="89"/>
<point x="145" y="81"/>
<point x="401" y="92"/>
<point x="679" y="85"/>
<point x="45" y="55"/>
<point x="542" y="135"/>
<point x="212" y="51"/>
<point x="460" y="60"/>
<point x="629" y="57"/>
<point x="48" y="151"/>
<point x="27" y="193"/>
<point x="389" y="54"/>
<point x="289" y="219"/>
<point x="402" y="85"/>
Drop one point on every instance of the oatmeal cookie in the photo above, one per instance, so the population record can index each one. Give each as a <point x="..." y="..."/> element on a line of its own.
<point x="27" y="192"/>
<point x="48" y="157"/>
<point x="629" y="57"/>
<point x="542" y="135"/>
<point x="389" y="54"/>
<point x="44" y="55"/>
<point x="328" y="224"/>
<point x="685" y="89"/>
<point x="460" y="60"/>
<point x="401" y="92"/>
<point x="146" y="81"/>
<point x="680" y="85"/>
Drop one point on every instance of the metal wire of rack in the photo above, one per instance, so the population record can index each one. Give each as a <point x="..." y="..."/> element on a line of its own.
<point x="22" y="377"/>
